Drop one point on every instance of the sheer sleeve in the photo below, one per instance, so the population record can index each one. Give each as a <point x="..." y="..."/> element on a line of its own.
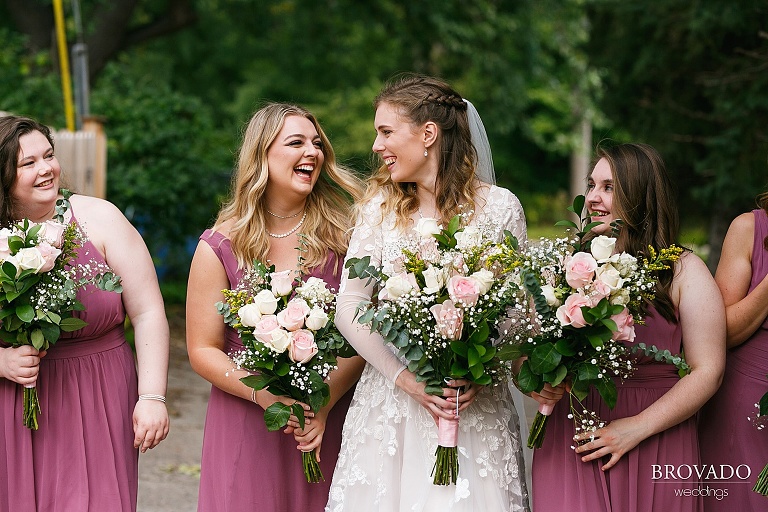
<point x="367" y="240"/>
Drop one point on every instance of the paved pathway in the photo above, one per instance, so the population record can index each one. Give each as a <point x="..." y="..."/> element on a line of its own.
<point x="169" y="473"/>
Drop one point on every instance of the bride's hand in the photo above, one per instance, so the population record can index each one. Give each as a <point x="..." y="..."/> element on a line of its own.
<point x="468" y="392"/>
<point x="437" y="406"/>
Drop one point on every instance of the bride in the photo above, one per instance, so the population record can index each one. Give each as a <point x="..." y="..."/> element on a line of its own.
<point x="427" y="137"/>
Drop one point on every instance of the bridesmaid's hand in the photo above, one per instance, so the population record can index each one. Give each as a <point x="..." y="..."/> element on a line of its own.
<point x="549" y="395"/>
<point x="20" y="364"/>
<point x="150" y="424"/>
<point x="311" y="437"/>
<point x="614" y="440"/>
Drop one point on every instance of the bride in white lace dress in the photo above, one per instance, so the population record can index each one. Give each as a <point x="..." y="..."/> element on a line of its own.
<point x="431" y="169"/>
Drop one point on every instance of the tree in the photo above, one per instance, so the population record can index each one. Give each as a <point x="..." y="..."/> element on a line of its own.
<point x="116" y="25"/>
<point x="690" y="78"/>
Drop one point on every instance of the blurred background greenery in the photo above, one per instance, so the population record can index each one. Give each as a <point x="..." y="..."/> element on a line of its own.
<point x="176" y="80"/>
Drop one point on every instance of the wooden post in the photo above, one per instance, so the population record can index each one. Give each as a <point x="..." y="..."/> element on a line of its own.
<point x="95" y="125"/>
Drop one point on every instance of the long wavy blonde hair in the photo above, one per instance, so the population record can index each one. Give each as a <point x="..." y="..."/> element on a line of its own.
<point x="328" y="221"/>
<point x="420" y="99"/>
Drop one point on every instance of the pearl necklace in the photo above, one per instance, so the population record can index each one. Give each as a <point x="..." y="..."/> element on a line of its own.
<point x="292" y="231"/>
<point x="284" y="217"/>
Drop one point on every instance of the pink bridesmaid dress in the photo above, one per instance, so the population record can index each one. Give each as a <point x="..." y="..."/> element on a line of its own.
<point x="244" y="466"/>
<point x="82" y="456"/>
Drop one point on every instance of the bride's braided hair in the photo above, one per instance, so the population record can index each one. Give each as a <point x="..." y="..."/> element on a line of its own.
<point x="421" y="99"/>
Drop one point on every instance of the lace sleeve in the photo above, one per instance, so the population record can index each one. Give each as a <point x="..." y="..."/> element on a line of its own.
<point x="515" y="221"/>
<point x="367" y="240"/>
<point x="502" y="209"/>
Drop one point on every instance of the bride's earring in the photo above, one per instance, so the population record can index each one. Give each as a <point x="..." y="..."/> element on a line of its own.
<point x="425" y="153"/>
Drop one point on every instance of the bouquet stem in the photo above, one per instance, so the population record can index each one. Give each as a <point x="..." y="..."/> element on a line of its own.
<point x="539" y="426"/>
<point x="761" y="485"/>
<point x="446" y="468"/>
<point x="31" y="407"/>
<point x="311" y="467"/>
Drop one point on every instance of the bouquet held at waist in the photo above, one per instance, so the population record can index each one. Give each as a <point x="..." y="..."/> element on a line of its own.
<point x="39" y="283"/>
<point x="442" y="304"/>
<point x="290" y="343"/>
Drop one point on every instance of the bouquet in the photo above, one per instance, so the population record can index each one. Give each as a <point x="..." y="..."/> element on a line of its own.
<point x="441" y="305"/>
<point x="39" y="284"/>
<point x="761" y="485"/>
<point x="290" y="343"/>
<point x="585" y="302"/>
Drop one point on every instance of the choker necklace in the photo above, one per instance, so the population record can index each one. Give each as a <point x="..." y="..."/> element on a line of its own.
<point x="286" y="217"/>
<point x="292" y="231"/>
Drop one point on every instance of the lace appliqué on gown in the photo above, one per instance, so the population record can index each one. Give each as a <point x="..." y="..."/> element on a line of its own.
<point x="389" y="440"/>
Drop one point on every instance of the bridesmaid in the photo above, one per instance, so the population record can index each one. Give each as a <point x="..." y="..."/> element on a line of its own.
<point x="653" y="423"/>
<point x="95" y="409"/>
<point x="287" y="183"/>
<point x="727" y="437"/>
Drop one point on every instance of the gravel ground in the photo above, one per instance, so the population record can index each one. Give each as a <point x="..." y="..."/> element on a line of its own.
<point x="169" y="474"/>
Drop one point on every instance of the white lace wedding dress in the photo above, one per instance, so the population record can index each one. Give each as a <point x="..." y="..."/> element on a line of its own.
<point x="388" y="439"/>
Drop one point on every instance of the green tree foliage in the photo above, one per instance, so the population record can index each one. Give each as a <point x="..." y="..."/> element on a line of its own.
<point x="167" y="168"/>
<point x="690" y="77"/>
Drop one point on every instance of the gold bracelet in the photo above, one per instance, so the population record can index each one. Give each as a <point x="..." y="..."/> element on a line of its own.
<point x="253" y="395"/>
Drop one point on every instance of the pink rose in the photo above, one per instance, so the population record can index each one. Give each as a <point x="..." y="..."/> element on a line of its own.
<point x="303" y="346"/>
<point x="579" y="269"/>
<point x="282" y="283"/>
<point x="450" y="319"/>
<point x="264" y="327"/>
<point x="49" y="254"/>
<point x="598" y="291"/>
<point x="52" y="232"/>
<point x="626" y="326"/>
<point x="293" y="316"/>
<point x="464" y="290"/>
<point x="5" y="251"/>
<point x="570" y="312"/>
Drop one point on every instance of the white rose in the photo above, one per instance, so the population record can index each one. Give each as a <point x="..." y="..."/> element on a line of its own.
<point x="620" y="298"/>
<point x="470" y="236"/>
<point x="549" y="294"/>
<point x="602" y="247"/>
<point x="485" y="278"/>
<point x="317" y="319"/>
<point x="434" y="278"/>
<point x="399" y="284"/>
<point x="12" y="260"/>
<point x="249" y="314"/>
<point x="610" y="276"/>
<point x="427" y="227"/>
<point x="266" y="302"/>
<point x="279" y="340"/>
<point x="29" y="258"/>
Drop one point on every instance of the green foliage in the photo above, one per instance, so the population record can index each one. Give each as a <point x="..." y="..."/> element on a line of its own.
<point x="689" y="78"/>
<point x="166" y="172"/>
<point x="27" y="85"/>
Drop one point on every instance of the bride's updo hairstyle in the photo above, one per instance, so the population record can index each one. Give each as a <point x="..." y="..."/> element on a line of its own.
<point x="420" y="99"/>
